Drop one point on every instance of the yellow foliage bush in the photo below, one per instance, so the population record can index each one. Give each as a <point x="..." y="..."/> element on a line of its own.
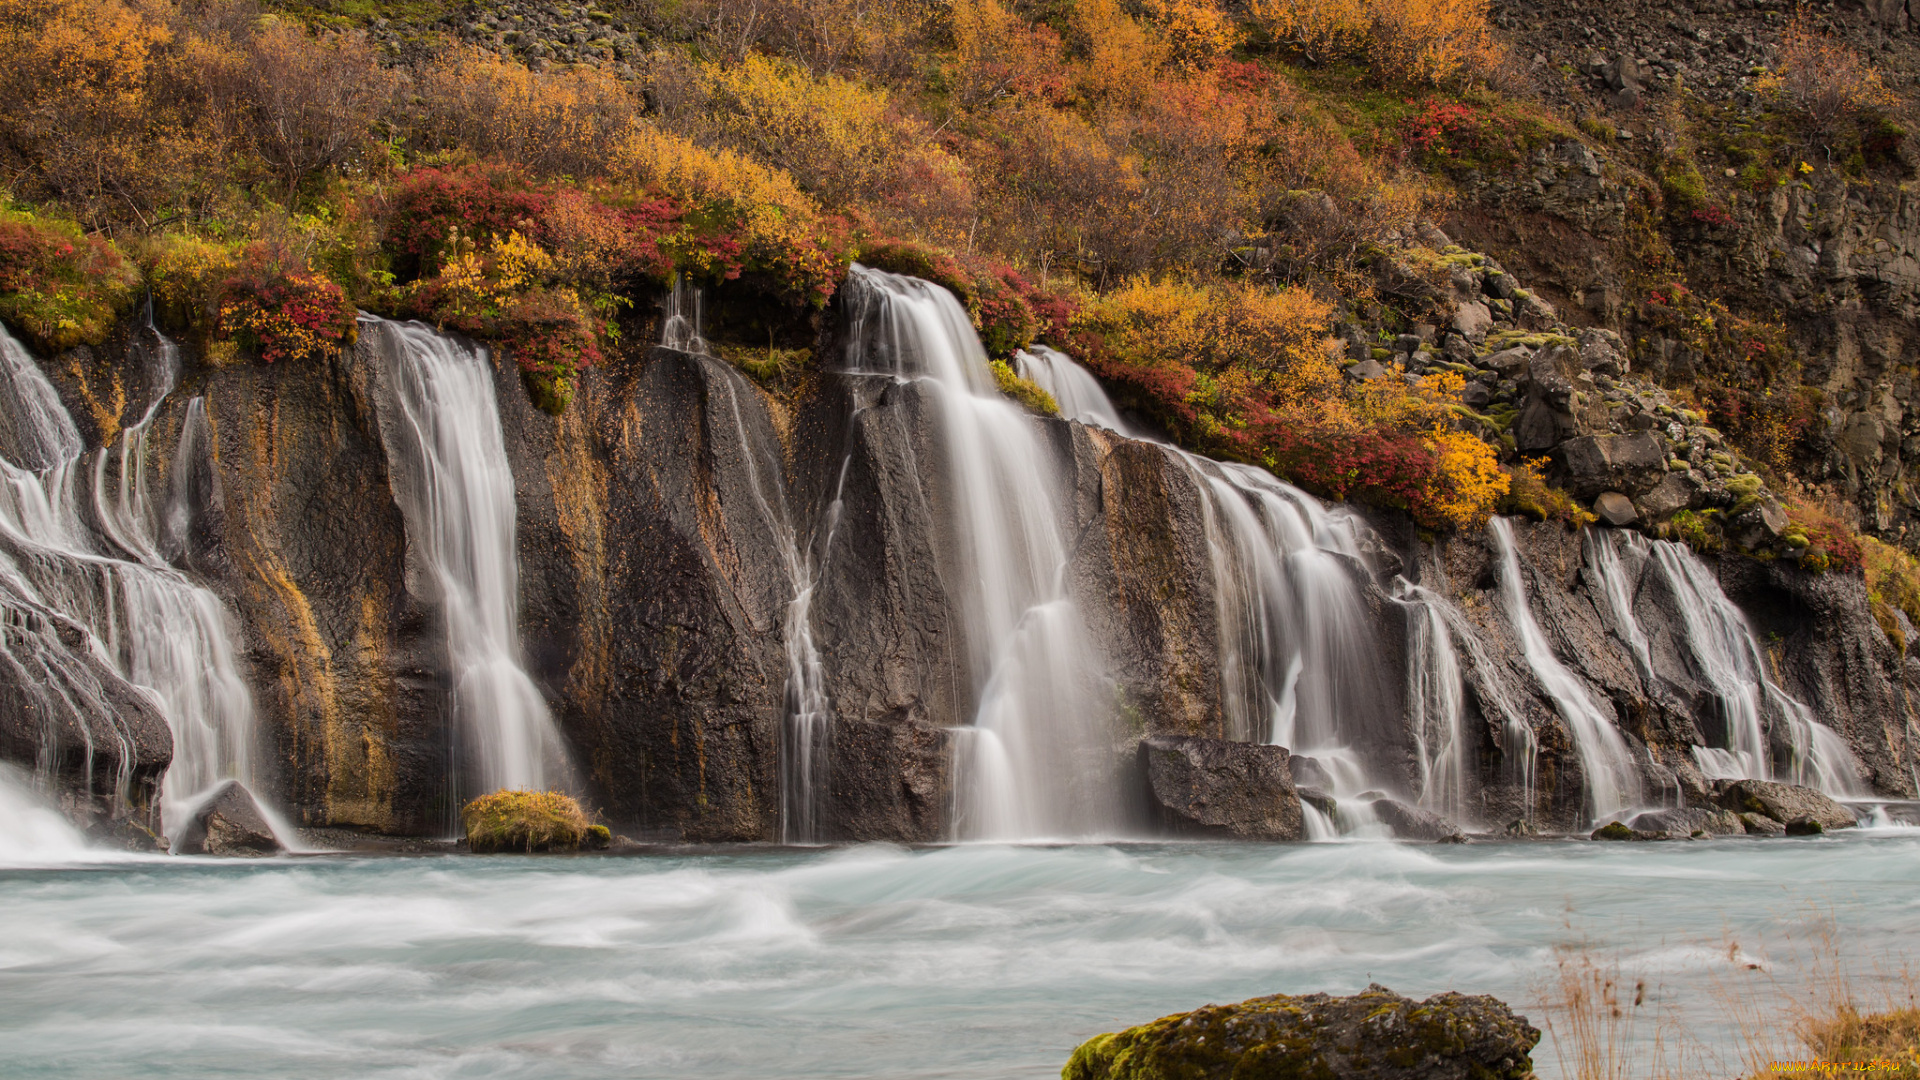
<point x="559" y="122"/>
<point x="184" y="273"/>
<point x="1196" y="32"/>
<point x="1121" y="56"/>
<point x="843" y="143"/>
<point x="1401" y="41"/>
<point x="1468" y="484"/>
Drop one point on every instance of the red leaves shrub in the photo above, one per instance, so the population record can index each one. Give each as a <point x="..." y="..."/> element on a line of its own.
<point x="276" y="307"/>
<point x="59" y="287"/>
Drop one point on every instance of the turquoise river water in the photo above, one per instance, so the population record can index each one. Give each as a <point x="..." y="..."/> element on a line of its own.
<point x="963" y="961"/>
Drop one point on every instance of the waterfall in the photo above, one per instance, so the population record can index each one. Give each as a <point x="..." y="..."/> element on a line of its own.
<point x="31" y="832"/>
<point x="1612" y="780"/>
<point x="1297" y="657"/>
<point x="1436" y="691"/>
<point x="682" y="325"/>
<point x="1726" y="656"/>
<point x="455" y="490"/>
<point x="1030" y="764"/>
<point x="144" y="619"/>
<point x="1073" y="387"/>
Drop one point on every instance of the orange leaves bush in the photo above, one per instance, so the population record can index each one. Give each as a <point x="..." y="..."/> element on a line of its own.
<point x="1431" y="42"/>
<point x="1825" y="79"/>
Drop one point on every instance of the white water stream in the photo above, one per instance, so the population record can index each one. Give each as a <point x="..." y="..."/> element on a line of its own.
<point x="1612" y="780"/>
<point x="148" y="622"/>
<point x="1723" y="653"/>
<point x="1030" y="765"/>
<point x="455" y="490"/>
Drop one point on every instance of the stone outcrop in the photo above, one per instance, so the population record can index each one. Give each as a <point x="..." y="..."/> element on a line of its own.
<point x="227" y="822"/>
<point x="1212" y="787"/>
<point x="1784" y="803"/>
<point x="1373" y="1035"/>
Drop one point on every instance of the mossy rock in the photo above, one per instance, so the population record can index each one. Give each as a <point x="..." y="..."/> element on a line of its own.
<point x="1373" y="1035"/>
<point x="529" y="821"/>
<point x="1024" y="391"/>
<point x="1613" y="830"/>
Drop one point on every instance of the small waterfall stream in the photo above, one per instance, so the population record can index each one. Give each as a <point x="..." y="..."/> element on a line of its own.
<point x="1299" y="667"/>
<point x="455" y="490"/>
<point x="1022" y="767"/>
<point x="148" y="622"/>
<point x="1724" y="654"/>
<point x="1612" y="781"/>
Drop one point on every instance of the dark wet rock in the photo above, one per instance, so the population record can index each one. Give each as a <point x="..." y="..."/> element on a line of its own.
<point x="1761" y="825"/>
<point x="1308" y="772"/>
<point x="1634" y="464"/>
<point x="1674" y="493"/>
<point x="1783" y="803"/>
<point x="1213" y="787"/>
<point x="1412" y="823"/>
<point x="1805" y="826"/>
<point x="1373" y="1035"/>
<point x="1322" y="800"/>
<point x="227" y="822"/>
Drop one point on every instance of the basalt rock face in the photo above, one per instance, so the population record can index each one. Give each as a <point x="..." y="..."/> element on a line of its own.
<point x="667" y="521"/>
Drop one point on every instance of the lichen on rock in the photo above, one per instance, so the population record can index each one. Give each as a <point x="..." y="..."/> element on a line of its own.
<point x="1373" y="1035"/>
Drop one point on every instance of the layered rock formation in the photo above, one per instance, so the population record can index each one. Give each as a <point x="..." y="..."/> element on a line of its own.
<point x="660" y="524"/>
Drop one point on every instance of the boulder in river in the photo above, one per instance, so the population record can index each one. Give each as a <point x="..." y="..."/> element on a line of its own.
<point x="1783" y="803"/>
<point x="1216" y="787"/>
<point x="1689" y="821"/>
<point x="1412" y="823"/>
<point x="1373" y="1035"/>
<point x="229" y="822"/>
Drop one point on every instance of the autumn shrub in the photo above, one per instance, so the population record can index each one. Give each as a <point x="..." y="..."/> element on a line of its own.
<point x="277" y="308"/>
<point x="996" y="55"/>
<point x="1893" y="584"/>
<point x="60" y="287"/>
<point x="1245" y="372"/>
<point x="1530" y="494"/>
<point x="739" y="217"/>
<point x="1460" y="136"/>
<point x="184" y="277"/>
<point x="1831" y="541"/>
<point x="552" y="123"/>
<point x="1430" y="42"/>
<point x="1823" y="79"/>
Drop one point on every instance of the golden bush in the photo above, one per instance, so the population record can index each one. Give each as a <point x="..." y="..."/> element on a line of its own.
<point x="1401" y="41"/>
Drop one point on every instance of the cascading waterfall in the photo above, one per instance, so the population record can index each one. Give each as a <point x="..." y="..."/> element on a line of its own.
<point x="148" y="622"/>
<point x="1612" y="780"/>
<point x="1297" y="658"/>
<point x="1726" y="656"/>
<point x="1023" y="767"/>
<point x="1436" y="703"/>
<point x="455" y="490"/>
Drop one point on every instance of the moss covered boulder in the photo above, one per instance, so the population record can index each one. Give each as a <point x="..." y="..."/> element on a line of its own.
<point x="1373" y="1035"/>
<point x="529" y="821"/>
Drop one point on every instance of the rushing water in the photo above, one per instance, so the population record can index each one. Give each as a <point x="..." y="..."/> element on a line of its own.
<point x="1612" y="782"/>
<point x="455" y="490"/>
<point x="1721" y="651"/>
<point x="1029" y="766"/>
<point x="1298" y="666"/>
<point x="153" y="626"/>
<point x="974" y="961"/>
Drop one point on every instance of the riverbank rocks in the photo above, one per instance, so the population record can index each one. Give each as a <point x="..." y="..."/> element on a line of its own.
<point x="1214" y="787"/>
<point x="1784" y="803"/>
<point x="229" y="822"/>
<point x="1373" y="1035"/>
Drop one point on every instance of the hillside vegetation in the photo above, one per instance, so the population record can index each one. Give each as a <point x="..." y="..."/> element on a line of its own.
<point x="1207" y="205"/>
